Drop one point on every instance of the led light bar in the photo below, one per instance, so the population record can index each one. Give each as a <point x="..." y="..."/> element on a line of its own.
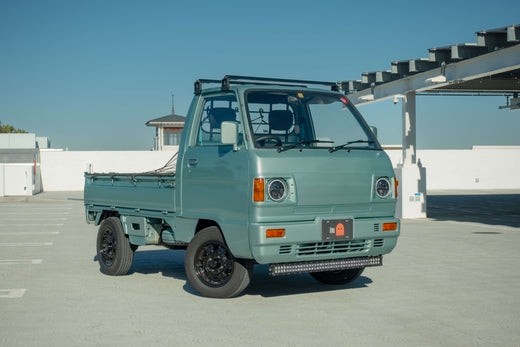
<point x="324" y="265"/>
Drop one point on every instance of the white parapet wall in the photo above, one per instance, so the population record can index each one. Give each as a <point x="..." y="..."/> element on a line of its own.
<point x="479" y="168"/>
<point x="64" y="170"/>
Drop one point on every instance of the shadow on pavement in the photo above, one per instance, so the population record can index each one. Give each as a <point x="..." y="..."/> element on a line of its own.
<point x="266" y="285"/>
<point x="498" y="209"/>
<point x="170" y="263"/>
<point x="166" y="261"/>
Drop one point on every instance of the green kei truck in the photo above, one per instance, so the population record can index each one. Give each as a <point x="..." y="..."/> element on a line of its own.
<point x="279" y="172"/>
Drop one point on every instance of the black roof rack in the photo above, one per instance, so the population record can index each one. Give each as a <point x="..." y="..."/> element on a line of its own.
<point x="235" y="79"/>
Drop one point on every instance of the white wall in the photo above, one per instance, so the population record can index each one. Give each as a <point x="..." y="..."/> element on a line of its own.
<point x="64" y="170"/>
<point x="18" y="140"/>
<point x="483" y="167"/>
<point x="2" y="180"/>
<point x="480" y="168"/>
<point x="19" y="179"/>
<point x="43" y="142"/>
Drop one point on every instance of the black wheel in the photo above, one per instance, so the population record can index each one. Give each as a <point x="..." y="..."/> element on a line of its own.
<point x="114" y="252"/>
<point x="212" y="270"/>
<point x="338" y="277"/>
<point x="262" y="139"/>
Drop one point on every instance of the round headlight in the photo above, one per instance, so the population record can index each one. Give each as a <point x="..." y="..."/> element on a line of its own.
<point x="383" y="187"/>
<point x="277" y="189"/>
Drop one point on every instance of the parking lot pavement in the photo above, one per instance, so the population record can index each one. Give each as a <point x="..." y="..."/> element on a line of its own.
<point x="452" y="280"/>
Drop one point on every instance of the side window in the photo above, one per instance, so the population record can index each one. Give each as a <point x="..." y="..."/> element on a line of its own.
<point x="216" y="110"/>
<point x="171" y="136"/>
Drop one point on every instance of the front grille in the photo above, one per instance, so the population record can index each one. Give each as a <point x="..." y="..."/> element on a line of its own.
<point x="376" y="228"/>
<point x="331" y="247"/>
<point x="379" y="242"/>
<point x="285" y="249"/>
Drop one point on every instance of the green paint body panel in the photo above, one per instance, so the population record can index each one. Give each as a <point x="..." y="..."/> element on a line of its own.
<point x="214" y="185"/>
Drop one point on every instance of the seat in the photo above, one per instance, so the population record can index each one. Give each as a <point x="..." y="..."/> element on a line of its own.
<point x="281" y="120"/>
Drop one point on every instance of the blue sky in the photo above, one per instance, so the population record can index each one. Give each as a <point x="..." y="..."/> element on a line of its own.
<point x="90" y="74"/>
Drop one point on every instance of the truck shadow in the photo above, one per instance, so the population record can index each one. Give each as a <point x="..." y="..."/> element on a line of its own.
<point x="170" y="263"/>
<point x="266" y="285"/>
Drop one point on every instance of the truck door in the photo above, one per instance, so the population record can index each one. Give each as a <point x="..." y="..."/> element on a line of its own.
<point x="215" y="178"/>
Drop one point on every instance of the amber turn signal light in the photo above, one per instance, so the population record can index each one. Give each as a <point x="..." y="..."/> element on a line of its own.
<point x="270" y="233"/>
<point x="389" y="226"/>
<point x="258" y="189"/>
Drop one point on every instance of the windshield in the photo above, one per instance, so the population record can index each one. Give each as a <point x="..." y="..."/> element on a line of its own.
<point x="306" y="119"/>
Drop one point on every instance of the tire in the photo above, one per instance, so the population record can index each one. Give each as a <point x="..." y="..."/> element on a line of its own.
<point x="338" y="277"/>
<point x="114" y="252"/>
<point x="212" y="270"/>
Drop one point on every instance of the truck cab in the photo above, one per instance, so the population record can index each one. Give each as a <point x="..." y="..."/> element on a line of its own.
<point x="277" y="172"/>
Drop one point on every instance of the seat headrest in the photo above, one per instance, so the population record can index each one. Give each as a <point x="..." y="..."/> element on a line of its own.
<point x="217" y="115"/>
<point x="280" y="120"/>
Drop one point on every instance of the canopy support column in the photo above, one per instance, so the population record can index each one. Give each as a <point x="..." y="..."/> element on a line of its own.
<point x="410" y="174"/>
<point x="409" y="130"/>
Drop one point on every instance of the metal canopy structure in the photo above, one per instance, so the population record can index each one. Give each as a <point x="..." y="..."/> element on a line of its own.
<point x="489" y="66"/>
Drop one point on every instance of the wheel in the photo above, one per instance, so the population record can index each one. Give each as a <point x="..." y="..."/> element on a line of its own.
<point x="211" y="268"/>
<point x="338" y="277"/>
<point x="114" y="252"/>
<point x="264" y="138"/>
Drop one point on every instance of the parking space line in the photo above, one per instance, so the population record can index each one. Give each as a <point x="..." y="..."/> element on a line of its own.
<point x="28" y="244"/>
<point x="29" y="233"/>
<point x="16" y="208"/>
<point x="13" y="219"/>
<point x="33" y="213"/>
<point x="32" y="225"/>
<point x="12" y="293"/>
<point x="21" y="261"/>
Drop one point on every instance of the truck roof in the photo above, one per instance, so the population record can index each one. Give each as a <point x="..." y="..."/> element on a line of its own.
<point x="229" y="80"/>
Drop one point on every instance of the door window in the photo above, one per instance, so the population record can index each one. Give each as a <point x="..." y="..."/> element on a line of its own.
<point x="223" y="108"/>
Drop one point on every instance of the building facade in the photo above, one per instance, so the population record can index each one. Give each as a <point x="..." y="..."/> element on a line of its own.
<point x="168" y="131"/>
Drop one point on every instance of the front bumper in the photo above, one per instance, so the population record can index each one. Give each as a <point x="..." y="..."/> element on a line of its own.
<point x="303" y="241"/>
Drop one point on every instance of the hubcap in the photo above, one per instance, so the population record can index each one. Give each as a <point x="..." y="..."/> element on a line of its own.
<point x="214" y="264"/>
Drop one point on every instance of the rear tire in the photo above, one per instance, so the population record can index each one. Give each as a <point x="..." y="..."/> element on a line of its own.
<point x="114" y="252"/>
<point x="212" y="270"/>
<point x="338" y="277"/>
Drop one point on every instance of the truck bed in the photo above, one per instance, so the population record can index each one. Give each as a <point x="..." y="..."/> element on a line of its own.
<point x="138" y="191"/>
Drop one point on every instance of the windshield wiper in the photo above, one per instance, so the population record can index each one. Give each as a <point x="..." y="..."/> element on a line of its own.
<point x="337" y="148"/>
<point x="300" y="145"/>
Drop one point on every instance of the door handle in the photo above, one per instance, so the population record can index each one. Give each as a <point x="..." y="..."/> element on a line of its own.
<point x="193" y="162"/>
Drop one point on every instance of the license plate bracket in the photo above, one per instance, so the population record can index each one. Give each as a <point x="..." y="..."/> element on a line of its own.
<point x="337" y="229"/>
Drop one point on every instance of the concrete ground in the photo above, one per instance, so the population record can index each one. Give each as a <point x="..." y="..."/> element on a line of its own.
<point x="453" y="280"/>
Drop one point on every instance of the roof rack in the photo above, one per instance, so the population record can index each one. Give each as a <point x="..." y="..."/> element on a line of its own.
<point x="235" y="79"/>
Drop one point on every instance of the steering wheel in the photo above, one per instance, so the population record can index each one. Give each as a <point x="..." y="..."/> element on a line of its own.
<point x="262" y="139"/>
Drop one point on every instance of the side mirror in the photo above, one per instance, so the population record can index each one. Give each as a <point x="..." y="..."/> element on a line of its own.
<point x="229" y="134"/>
<point x="374" y="130"/>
